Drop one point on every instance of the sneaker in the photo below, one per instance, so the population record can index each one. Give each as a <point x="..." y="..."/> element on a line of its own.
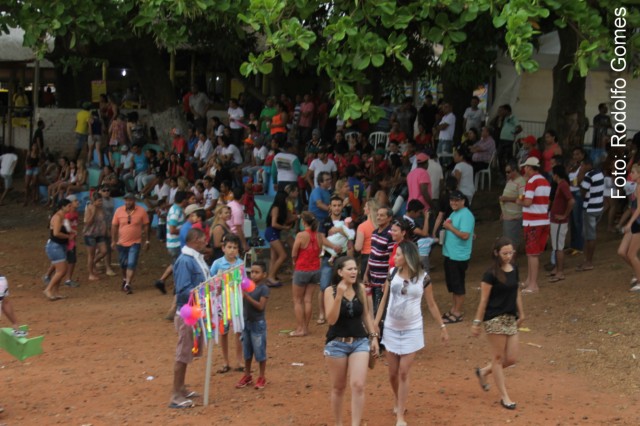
<point x="126" y="287"/>
<point x="46" y="279"/>
<point x="244" y="382"/>
<point x="160" y="286"/>
<point x="71" y="283"/>
<point x="635" y="288"/>
<point x="260" y="383"/>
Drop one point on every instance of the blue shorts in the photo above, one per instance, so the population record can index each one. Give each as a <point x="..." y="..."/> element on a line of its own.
<point x="57" y="253"/>
<point x="129" y="256"/>
<point x="94" y="241"/>
<point x="271" y="234"/>
<point x="254" y="340"/>
<point x="326" y="271"/>
<point x="337" y="349"/>
<point x="81" y="140"/>
<point x="34" y="171"/>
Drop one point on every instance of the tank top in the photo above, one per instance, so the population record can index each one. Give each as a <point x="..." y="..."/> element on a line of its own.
<point x="309" y="257"/>
<point x="573" y="180"/>
<point x="61" y="241"/>
<point x="277" y="124"/>
<point x="96" y="127"/>
<point x="73" y="176"/>
<point x="32" y="162"/>
<point x="217" y="251"/>
<point x="349" y="322"/>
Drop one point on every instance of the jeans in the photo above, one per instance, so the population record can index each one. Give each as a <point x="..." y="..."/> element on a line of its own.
<point x="575" y="225"/>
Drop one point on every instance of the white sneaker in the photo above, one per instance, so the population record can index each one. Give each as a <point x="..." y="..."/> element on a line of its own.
<point x="635" y="288"/>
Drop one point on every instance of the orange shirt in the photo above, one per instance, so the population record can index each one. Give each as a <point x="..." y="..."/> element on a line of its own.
<point x="130" y="231"/>
<point x="278" y="125"/>
<point x="367" y="229"/>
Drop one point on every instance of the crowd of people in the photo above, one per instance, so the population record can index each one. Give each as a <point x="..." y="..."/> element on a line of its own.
<point x="360" y="222"/>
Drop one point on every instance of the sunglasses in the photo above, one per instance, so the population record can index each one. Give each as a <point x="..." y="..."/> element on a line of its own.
<point x="405" y="287"/>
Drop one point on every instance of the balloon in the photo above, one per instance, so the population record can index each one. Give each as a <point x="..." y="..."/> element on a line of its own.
<point x="251" y="287"/>
<point x="196" y="313"/>
<point x="245" y="283"/>
<point x="185" y="312"/>
<point x="190" y="321"/>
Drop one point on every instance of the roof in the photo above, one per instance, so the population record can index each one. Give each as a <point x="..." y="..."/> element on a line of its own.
<point x="13" y="50"/>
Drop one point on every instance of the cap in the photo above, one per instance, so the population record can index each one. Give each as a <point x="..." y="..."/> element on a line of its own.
<point x="456" y="195"/>
<point x="422" y="157"/>
<point x="315" y="132"/>
<point x="86" y="105"/>
<point x="531" y="161"/>
<point x="192" y="208"/>
<point x="72" y="197"/>
<point x="176" y="131"/>
<point x="129" y="195"/>
<point x="529" y="140"/>
<point x="124" y="148"/>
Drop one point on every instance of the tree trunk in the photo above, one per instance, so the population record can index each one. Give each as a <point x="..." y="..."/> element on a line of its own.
<point x="567" y="112"/>
<point x="458" y="95"/>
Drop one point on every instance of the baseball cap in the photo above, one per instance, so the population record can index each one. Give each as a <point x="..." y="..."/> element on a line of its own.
<point x="529" y="140"/>
<point x="422" y="157"/>
<point x="72" y="197"/>
<point x="192" y="208"/>
<point x="129" y="195"/>
<point x="456" y="195"/>
<point x="531" y="161"/>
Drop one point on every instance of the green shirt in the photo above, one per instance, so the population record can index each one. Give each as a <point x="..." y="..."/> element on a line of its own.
<point x="267" y="113"/>
<point x="508" y="128"/>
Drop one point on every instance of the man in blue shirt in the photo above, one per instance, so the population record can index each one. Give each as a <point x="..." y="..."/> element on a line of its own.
<point x="190" y="270"/>
<point x="320" y="198"/>
<point x="456" y="250"/>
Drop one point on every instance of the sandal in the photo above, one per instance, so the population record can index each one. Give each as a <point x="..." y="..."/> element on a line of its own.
<point x="224" y="369"/>
<point x="239" y="369"/>
<point x="450" y="318"/>
<point x="482" y="380"/>
<point x="296" y="334"/>
<point x="556" y="278"/>
<point x="582" y="268"/>
<point x="321" y="321"/>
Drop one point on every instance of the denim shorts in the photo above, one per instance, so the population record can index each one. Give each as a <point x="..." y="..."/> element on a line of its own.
<point x="325" y="274"/>
<point x="81" y="140"/>
<point x="271" y="234"/>
<point x="302" y="278"/>
<point x="337" y="349"/>
<point x="57" y="253"/>
<point x="129" y="256"/>
<point x="254" y="340"/>
<point x="94" y="241"/>
<point x="33" y="171"/>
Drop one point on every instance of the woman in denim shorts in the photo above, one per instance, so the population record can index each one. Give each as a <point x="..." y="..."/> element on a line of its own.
<point x="500" y="309"/>
<point x="348" y="344"/>
<point x="56" y="248"/>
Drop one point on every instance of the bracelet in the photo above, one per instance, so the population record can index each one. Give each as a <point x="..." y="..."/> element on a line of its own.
<point x="374" y="335"/>
<point x="477" y="322"/>
<point x="443" y="325"/>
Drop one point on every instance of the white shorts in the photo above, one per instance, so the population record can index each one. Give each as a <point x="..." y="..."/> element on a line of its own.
<point x="558" y="234"/>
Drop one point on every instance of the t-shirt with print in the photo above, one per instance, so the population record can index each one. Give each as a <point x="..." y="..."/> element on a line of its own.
<point x="210" y="195"/>
<point x="176" y="218"/>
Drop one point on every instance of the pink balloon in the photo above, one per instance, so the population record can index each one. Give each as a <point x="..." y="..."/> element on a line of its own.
<point x="245" y="283"/>
<point x="190" y="320"/>
<point x="185" y="311"/>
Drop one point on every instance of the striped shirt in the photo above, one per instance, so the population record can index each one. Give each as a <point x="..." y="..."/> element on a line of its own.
<point x="537" y="189"/>
<point x="174" y="218"/>
<point x="381" y="248"/>
<point x="593" y="185"/>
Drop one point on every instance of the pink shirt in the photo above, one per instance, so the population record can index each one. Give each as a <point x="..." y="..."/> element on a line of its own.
<point x="306" y="107"/>
<point x="237" y="216"/>
<point x="415" y="178"/>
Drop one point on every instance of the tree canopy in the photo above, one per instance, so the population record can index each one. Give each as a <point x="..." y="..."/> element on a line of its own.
<point x="342" y="40"/>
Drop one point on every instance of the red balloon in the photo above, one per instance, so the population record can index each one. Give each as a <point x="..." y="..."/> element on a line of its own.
<point x="251" y="286"/>
<point x="196" y="313"/>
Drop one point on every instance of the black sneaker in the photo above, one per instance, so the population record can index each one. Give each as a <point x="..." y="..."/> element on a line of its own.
<point x="126" y="288"/>
<point x="160" y="286"/>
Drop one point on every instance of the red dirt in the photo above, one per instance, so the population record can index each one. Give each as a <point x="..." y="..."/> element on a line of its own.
<point x="101" y="346"/>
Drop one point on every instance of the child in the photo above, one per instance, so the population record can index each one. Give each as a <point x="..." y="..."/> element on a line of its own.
<point x="340" y="238"/>
<point x="421" y="236"/>
<point x="162" y="210"/>
<point x="254" y="336"/>
<point x="249" y="202"/>
<point x="230" y="248"/>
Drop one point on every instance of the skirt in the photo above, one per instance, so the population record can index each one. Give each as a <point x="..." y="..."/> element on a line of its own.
<point x="403" y="342"/>
<point x="502" y="324"/>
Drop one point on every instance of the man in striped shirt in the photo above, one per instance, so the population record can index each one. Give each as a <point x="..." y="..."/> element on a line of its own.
<point x="535" y="219"/>
<point x="378" y="264"/>
<point x="592" y="190"/>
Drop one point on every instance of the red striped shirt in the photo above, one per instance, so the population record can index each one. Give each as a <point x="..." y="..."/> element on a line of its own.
<point x="537" y="189"/>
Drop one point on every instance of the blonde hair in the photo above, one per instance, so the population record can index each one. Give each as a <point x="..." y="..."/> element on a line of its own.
<point x="183" y="183"/>
<point x="218" y="213"/>
<point x="373" y="206"/>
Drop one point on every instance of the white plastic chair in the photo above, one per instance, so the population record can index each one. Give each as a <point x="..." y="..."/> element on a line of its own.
<point x="379" y="139"/>
<point x="479" y="179"/>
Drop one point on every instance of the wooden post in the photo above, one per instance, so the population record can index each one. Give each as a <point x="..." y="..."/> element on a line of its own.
<point x="207" y="378"/>
<point x="104" y="71"/>
<point x="192" y="75"/>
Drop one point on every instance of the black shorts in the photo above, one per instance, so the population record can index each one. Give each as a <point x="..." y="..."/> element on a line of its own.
<point x="71" y="256"/>
<point x="635" y="227"/>
<point x="454" y="275"/>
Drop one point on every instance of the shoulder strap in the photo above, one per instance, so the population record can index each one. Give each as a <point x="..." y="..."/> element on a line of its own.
<point x="392" y="273"/>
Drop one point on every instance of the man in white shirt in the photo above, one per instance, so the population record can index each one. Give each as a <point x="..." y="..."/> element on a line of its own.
<point x="285" y="168"/>
<point x="199" y="105"/>
<point x="436" y="175"/>
<point x="8" y="162"/>
<point x="321" y="164"/>
<point x="236" y="115"/>
<point x="446" y="129"/>
<point x="259" y="155"/>
<point x="473" y="115"/>
<point x="210" y="196"/>
<point x="204" y="148"/>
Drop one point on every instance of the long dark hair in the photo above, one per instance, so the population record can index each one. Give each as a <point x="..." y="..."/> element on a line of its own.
<point x="496" y="268"/>
<point x="280" y="201"/>
<point x="336" y="278"/>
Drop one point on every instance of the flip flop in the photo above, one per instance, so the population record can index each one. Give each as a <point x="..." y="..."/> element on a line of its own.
<point x="584" y="268"/>
<point x="529" y="291"/>
<point x="184" y="404"/>
<point x="551" y="274"/>
<point x="451" y="318"/>
<point x="48" y="296"/>
<point x="555" y="279"/>
<point x="224" y="369"/>
<point x="274" y="284"/>
<point x="481" y="379"/>
<point x="321" y="321"/>
<point x="239" y="369"/>
<point x="192" y="394"/>
<point x="295" y="334"/>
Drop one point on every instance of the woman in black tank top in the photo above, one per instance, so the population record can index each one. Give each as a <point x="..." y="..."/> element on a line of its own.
<point x="348" y="341"/>
<point x="56" y="249"/>
<point x="219" y="230"/>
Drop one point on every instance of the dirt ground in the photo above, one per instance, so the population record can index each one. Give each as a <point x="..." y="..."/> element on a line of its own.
<point x="108" y="357"/>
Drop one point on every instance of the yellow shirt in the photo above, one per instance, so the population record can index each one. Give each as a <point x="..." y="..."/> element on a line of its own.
<point x="82" y="122"/>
